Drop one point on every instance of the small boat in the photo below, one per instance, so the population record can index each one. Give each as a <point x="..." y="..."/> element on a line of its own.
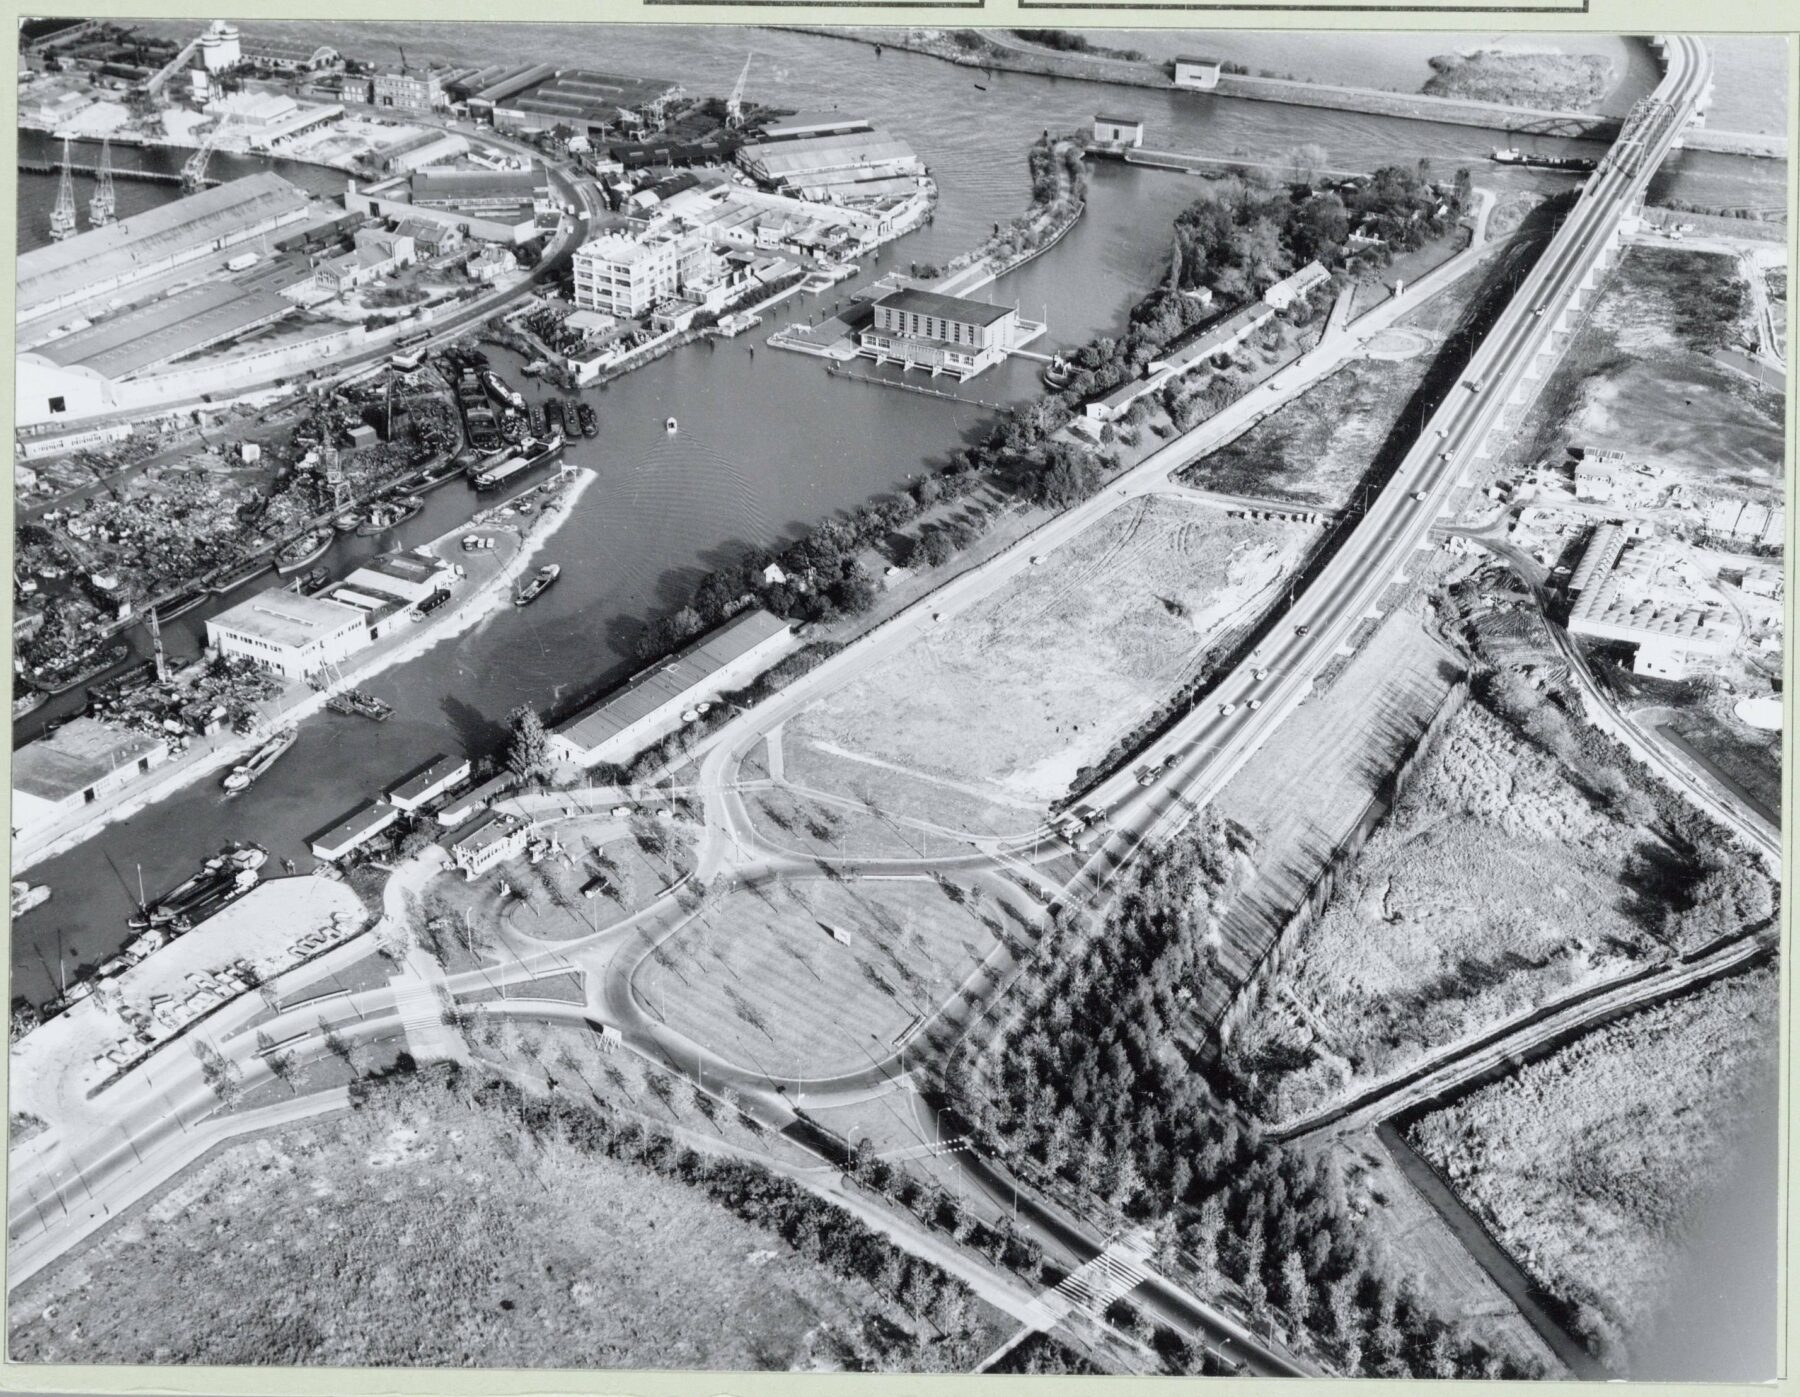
<point x="303" y="552"/>
<point x="538" y="585"/>
<point x="355" y="702"/>
<point x="512" y="429"/>
<point x="981" y="87"/>
<point x="539" y="422"/>
<point x="671" y="427"/>
<point x="555" y="419"/>
<point x="590" y="420"/>
<point x="238" y="576"/>
<point x="535" y="367"/>
<point x="498" y="390"/>
<point x="347" y="521"/>
<point x="61" y="684"/>
<point x="245" y="774"/>
<point x="25" y="897"/>
<point x="28" y="702"/>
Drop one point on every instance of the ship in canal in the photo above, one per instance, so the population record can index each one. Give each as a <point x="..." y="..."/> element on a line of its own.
<point x="531" y="454"/>
<point x="245" y="774"/>
<point x="303" y="552"/>
<point x="238" y="576"/>
<point x="590" y="420"/>
<point x="356" y="703"/>
<point x="223" y="878"/>
<point x="540" y="583"/>
<point x="61" y="684"/>
<point x="1531" y="159"/>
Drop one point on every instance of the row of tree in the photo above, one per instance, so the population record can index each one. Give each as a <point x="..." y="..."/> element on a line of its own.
<point x="1090" y="1087"/>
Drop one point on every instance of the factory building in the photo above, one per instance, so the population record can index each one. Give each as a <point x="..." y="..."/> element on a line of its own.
<point x="652" y="702"/>
<point x="1646" y="592"/>
<point x="945" y="334"/>
<point x="481" y="191"/>
<point x="392" y="199"/>
<point x="74" y="767"/>
<point x="422" y="149"/>
<point x="292" y="634"/>
<point x="587" y="102"/>
<point x="149" y="244"/>
<point x="408" y="91"/>
<point x="286" y="55"/>
<point x="221" y="48"/>
<point x="866" y="164"/>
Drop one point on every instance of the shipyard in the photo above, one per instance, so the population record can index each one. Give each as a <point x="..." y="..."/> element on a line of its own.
<point x="926" y="654"/>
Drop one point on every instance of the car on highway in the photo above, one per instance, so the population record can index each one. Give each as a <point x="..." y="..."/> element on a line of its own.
<point x="1260" y="675"/>
<point x="1255" y="704"/>
<point x="1302" y="630"/>
<point x="1418" y="496"/>
<point x="1227" y="709"/>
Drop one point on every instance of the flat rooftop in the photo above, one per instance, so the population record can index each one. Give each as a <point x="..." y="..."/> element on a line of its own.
<point x="812" y="123"/>
<point x="138" y="244"/>
<point x="287" y="618"/>
<point x="917" y="302"/>
<point x="360" y="824"/>
<point x="76" y="756"/>
<point x="167" y="328"/>
<point x="672" y="680"/>
<point x="487" y="829"/>
<point x="586" y="95"/>
<point x="435" y="772"/>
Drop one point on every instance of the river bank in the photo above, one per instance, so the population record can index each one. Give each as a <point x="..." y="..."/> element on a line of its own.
<point x="951" y="47"/>
<point x="298" y="701"/>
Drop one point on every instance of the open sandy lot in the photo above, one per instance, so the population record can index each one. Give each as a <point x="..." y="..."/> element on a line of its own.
<point x="1588" y="1165"/>
<point x="1038" y="680"/>
<point x="759" y="978"/>
<point x="1494" y="885"/>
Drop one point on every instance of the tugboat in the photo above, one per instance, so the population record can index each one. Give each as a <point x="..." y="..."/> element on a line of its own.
<point x="590" y="421"/>
<point x="244" y="775"/>
<point x="1058" y="373"/>
<point x="25" y="897"/>
<point x="538" y="585"/>
<point x="498" y="390"/>
<point x="303" y="552"/>
<point x="355" y="702"/>
<point x="347" y="521"/>
<point x="671" y="426"/>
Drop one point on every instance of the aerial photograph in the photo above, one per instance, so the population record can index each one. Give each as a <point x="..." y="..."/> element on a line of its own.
<point x="915" y="700"/>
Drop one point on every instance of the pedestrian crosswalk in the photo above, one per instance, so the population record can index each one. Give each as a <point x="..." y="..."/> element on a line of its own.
<point x="1118" y="1270"/>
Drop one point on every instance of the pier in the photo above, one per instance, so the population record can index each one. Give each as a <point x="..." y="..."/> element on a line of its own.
<point x="54" y="167"/>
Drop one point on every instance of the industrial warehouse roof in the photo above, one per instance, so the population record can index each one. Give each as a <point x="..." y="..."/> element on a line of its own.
<point x="287" y="618"/>
<point x="285" y="50"/>
<point x="672" y="681"/>
<point x="796" y="158"/>
<point x="1644" y="591"/>
<point x="917" y="302"/>
<point x="102" y="255"/>
<point x="75" y="757"/>
<point x="362" y="823"/>
<point x="812" y="123"/>
<point x="515" y="81"/>
<point x="403" y="567"/>
<point x="458" y="185"/>
<point x="161" y="330"/>
<point x="585" y="95"/>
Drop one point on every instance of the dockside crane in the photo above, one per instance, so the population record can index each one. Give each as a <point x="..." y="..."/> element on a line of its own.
<point x="193" y="173"/>
<point x="62" y="217"/>
<point x="102" y="208"/>
<point x="734" y="104"/>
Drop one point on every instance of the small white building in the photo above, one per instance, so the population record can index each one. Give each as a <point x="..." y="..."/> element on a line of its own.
<point x="353" y="831"/>
<point x="1200" y="74"/>
<point x="1291" y="288"/>
<point x="74" y="767"/>
<point x="292" y="634"/>
<point x="1118" y="130"/>
<point x="492" y="839"/>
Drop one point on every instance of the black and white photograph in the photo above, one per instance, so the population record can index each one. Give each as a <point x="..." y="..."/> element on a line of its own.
<point x="804" y="699"/>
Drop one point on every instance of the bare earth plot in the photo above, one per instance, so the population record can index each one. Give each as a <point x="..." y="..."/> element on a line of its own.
<point x="1639" y="377"/>
<point x="1301" y="794"/>
<point x="1495" y="884"/>
<point x="759" y="978"/>
<point x="312" y="1245"/>
<point x="1587" y="1165"/>
<point x="1035" y="682"/>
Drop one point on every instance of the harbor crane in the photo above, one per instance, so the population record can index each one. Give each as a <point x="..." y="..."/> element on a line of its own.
<point x="62" y="217"/>
<point x="734" y="104"/>
<point x="102" y="208"/>
<point x="193" y="173"/>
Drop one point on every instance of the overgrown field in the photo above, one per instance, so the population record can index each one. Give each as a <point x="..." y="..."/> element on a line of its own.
<point x="759" y="977"/>
<point x="437" y="1227"/>
<point x="1554" y="81"/>
<point x="1588" y="1165"/>
<point x="1496" y="883"/>
<point x="1639" y="376"/>
<point x="1036" y="681"/>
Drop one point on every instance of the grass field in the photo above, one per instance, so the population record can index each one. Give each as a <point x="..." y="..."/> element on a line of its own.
<point x="1495" y="884"/>
<point x="432" y="1232"/>
<point x="1036" y="681"/>
<point x="1588" y="1165"/>
<point x="759" y="978"/>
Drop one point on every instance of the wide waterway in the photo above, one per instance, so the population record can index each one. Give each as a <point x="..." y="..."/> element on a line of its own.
<point x="768" y="445"/>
